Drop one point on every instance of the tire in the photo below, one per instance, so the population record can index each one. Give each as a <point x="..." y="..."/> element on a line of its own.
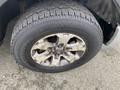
<point x="41" y="21"/>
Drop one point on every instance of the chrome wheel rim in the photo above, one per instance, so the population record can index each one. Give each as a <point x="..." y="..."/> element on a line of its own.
<point x="58" y="49"/>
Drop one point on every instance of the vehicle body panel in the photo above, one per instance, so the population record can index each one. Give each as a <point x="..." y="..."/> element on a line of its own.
<point x="8" y="10"/>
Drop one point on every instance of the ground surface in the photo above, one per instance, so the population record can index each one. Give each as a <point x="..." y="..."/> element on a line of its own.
<point x="101" y="73"/>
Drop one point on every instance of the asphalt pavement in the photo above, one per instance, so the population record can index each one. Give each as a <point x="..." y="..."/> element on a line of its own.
<point x="101" y="73"/>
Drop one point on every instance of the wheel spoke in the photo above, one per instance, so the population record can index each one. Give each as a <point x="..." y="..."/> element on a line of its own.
<point x="79" y="46"/>
<point x="58" y="49"/>
<point x="55" y="61"/>
<point x="64" y="38"/>
<point x="41" y="57"/>
<point x="42" y="45"/>
<point x="71" y="57"/>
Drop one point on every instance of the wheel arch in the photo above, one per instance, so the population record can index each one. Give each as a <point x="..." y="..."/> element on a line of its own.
<point x="10" y="9"/>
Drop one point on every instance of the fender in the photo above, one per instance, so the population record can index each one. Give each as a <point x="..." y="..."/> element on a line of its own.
<point x="8" y="10"/>
<point x="106" y="11"/>
<point x="117" y="4"/>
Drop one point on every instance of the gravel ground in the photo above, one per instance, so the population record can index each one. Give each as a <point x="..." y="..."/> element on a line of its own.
<point x="101" y="73"/>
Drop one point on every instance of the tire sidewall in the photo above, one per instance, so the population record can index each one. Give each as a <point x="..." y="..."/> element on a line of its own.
<point x="87" y="31"/>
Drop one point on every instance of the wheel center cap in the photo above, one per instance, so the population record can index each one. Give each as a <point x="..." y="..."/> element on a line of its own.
<point x="58" y="49"/>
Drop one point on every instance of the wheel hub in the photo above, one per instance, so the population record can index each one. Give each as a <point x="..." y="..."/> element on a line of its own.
<point x="67" y="47"/>
<point x="58" y="49"/>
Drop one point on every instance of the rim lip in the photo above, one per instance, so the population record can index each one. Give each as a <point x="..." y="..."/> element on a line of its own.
<point x="49" y="35"/>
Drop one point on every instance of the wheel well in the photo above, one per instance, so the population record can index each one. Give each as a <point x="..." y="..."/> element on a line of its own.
<point x="108" y="28"/>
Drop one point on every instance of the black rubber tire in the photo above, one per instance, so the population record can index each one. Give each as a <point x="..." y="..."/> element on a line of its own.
<point x="43" y="20"/>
